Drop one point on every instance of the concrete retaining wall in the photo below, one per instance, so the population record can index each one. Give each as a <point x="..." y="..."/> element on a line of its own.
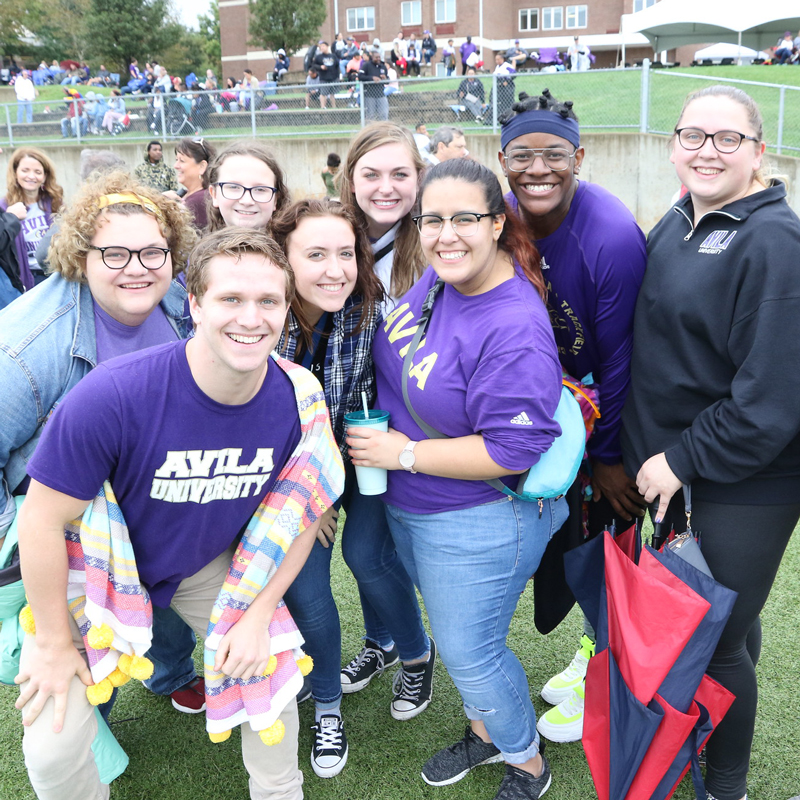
<point x="633" y="166"/>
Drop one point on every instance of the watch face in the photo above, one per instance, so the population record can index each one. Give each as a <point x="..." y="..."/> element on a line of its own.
<point x="407" y="459"/>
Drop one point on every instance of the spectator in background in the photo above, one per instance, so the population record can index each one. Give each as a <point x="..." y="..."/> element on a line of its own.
<point x="472" y="95"/>
<point x="329" y="174"/>
<point x="26" y="93"/>
<point x="154" y="105"/>
<point x="228" y="94"/>
<point x="373" y="74"/>
<point x="413" y="57"/>
<point x="328" y="70"/>
<point x="516" y="56"/>
<point x="348" y="53"/>
<point x="428" y="48"/>
<point x="202" y="109"/>
<point x="449" y="57"/>
<point x="466" y="50"/>
<point x="75" y="119"/>
<point x="399" y="57"/>
<point x="339" y="46"/>
<point x="154" y="172"/>
<point x="312" y="87"/>
<point x="101" y="78"/>
<point x="100" y="108"/>
<point x="163" y="80"/>
<point x="421" y="138"/>
<point x="393" y="86"/>
<point x="505" y="84"/>
<point x="446" y="143"/>
<point x="784" y="49"/>
<point x="578" y="56"/>
<point x="116" y="110"/>
<point x="281" y="65"/>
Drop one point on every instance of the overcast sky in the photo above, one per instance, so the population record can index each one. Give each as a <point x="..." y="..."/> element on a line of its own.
<point x="189" y="10"/>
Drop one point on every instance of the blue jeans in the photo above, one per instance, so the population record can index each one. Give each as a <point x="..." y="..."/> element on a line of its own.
<point x="471" y="567"/>
<point x="388" y="601"/>
<point x="171" y="652"/>
<point x="24" y="109"/>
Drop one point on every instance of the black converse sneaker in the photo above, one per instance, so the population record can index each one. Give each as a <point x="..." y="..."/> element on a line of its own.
<point x="520" y="785"/>
<point x="371" y="661"/>
<point x="329" y="753"/>
<point x="452" y="763"/>
<point x="413" y="688"/>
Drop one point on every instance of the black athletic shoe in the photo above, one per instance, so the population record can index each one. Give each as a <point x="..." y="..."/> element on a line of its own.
<point x="371" y="661"/>
<point x="520" y="785"/>
<point x="413" y="688"/>
<point x="453" y="763"/>
<point x="329" y="752"/>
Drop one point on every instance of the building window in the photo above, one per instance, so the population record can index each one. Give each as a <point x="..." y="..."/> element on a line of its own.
<point x="577" y="16"/>
<point x="639" y="5"/>
<point x="361" y="19"/>
<point x="411" y="13"/>
<point x="529" y="19"/>
<point x="552" y="18"/>
<point x="445" y="11"/>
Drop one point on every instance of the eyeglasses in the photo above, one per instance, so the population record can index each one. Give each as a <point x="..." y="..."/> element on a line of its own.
<point x="556" y="158"/>
<point x="723" y="141"/>
<point x="464" y="224"/>
<point x="235" y="191"/>
<point x="119" y="257"/>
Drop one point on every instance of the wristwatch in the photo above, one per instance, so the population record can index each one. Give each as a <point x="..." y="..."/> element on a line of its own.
<point x="407" y="457"/>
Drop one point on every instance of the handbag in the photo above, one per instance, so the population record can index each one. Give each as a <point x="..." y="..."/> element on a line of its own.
<point x="556" y="469"/>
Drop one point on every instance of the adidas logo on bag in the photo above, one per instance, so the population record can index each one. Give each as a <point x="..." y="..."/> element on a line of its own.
<point x="521" y="419"/>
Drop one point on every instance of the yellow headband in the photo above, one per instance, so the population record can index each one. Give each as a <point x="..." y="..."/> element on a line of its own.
<point x="128" y="197"/>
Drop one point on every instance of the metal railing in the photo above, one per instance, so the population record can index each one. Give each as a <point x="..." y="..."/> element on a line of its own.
<point x="642" y="99"/>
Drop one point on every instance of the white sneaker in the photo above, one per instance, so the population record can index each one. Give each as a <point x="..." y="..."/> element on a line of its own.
<point x="560" y="687"/>
<point x="564" y="723"/>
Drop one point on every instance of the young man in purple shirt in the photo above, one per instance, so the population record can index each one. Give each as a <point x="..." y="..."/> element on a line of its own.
<point x="193" y="436"/>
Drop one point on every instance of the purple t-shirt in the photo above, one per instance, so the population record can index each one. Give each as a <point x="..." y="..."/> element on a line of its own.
<point x="488" y="365"/>
<point x="196" y="203"/>
<point x="593" y="265"/>
<point x="188" y="472"/>
<point x="116" y="339"/>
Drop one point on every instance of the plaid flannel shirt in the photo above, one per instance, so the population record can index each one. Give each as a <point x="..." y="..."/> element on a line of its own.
<point x="349" y="369"/>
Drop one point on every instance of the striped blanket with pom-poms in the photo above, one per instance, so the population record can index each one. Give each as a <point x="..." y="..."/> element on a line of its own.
<point x="113" y="609"/>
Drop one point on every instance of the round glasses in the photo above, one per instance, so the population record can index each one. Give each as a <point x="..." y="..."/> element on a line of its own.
<point x="723" y="141"/>
<point x="464" y="224"/>
<point x="120" y="257"/>
<point x="235" y="191"/>
<point x="555" y="158"/>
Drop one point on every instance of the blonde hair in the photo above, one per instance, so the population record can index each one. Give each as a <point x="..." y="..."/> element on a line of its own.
<point x="49" y="188"/>
<point x="78" y="223"/>
<point x="259" y="151"/>
<point x="408" y="262"/>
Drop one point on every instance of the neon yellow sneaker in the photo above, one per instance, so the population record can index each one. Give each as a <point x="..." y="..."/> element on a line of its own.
<point x="561" y="686"/>
<point x="564" y="723"/>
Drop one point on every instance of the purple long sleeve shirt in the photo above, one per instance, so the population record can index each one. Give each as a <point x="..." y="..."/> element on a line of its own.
<point x="593" y="265"/>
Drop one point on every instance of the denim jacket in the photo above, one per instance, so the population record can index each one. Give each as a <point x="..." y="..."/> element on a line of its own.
<point x="47" y="344"/>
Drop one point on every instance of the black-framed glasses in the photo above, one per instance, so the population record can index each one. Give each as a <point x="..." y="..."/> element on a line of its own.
<point x="235" y="191"/>
<point x="119" y="257"/>
<point x="555" y="158"/>
<point x="723" y="141"/>
<point x="464" y="224"/>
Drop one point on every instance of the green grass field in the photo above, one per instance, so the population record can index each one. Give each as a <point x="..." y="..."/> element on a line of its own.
<point x="173" y="759"/>
<point x="608" y="99"/>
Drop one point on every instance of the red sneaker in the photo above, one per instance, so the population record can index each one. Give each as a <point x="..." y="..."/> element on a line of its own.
<point x="191" y="697"/>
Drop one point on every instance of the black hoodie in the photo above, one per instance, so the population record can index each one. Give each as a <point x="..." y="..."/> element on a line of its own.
<point x="715" y="373"/>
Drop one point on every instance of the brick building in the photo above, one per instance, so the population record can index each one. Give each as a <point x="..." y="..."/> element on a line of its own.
<point x="493" y="24"/>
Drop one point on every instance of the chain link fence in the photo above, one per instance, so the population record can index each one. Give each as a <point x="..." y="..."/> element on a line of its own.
<point x="644" y="99"/>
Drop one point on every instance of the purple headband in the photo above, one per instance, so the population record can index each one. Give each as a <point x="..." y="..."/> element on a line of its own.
<point x="540" y="121"/>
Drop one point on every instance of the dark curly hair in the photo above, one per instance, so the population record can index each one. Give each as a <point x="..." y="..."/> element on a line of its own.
<point x="544" y="102"/>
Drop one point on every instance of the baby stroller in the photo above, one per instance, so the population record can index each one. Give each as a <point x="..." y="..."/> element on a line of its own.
<point x="178" y="112"/>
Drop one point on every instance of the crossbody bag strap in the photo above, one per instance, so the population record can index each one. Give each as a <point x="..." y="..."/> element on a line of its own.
<point x="422" y="324"/>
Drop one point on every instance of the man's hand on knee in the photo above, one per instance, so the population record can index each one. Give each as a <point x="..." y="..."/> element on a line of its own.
<point x="48" y="672"/>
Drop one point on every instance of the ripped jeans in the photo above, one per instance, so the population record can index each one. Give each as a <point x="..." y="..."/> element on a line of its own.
<point x="471" y="566"/>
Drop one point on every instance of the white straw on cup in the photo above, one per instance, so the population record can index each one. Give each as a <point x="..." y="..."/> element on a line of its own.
<point x="366" y="407"/>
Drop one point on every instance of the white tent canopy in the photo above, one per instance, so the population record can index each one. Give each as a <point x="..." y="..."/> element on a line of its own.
<point x="721" y="50"/>
<point x="672" y="23"/>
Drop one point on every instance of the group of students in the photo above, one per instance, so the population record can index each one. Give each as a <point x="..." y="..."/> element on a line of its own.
<point x="678" y="335"/>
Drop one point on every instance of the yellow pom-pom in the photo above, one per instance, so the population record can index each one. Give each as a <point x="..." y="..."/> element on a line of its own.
<point x="272" y="665"/>
<point x="124" y="664"/>
<point x="118" y="678"/>
<point x="273" y="734"/>
<point x="219" y="737"/>
<point x="100" y="638"/>
<point x="141" y="668"/>
<point x="26" y="621"/>
<point x="100" y="692"/>
<point x="305" y="664"/>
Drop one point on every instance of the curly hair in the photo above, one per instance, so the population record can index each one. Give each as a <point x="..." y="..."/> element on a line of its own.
<point x="368" y="288"/>
<point x="48" y="189"/>
<point x="78" y="224"/>
<point x="544" y="102"/>
<point x="253" y="149"/>
<point x="408" y="262"/>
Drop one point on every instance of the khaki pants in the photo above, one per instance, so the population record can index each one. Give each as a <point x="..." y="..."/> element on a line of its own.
<point x="61" y="765"/>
